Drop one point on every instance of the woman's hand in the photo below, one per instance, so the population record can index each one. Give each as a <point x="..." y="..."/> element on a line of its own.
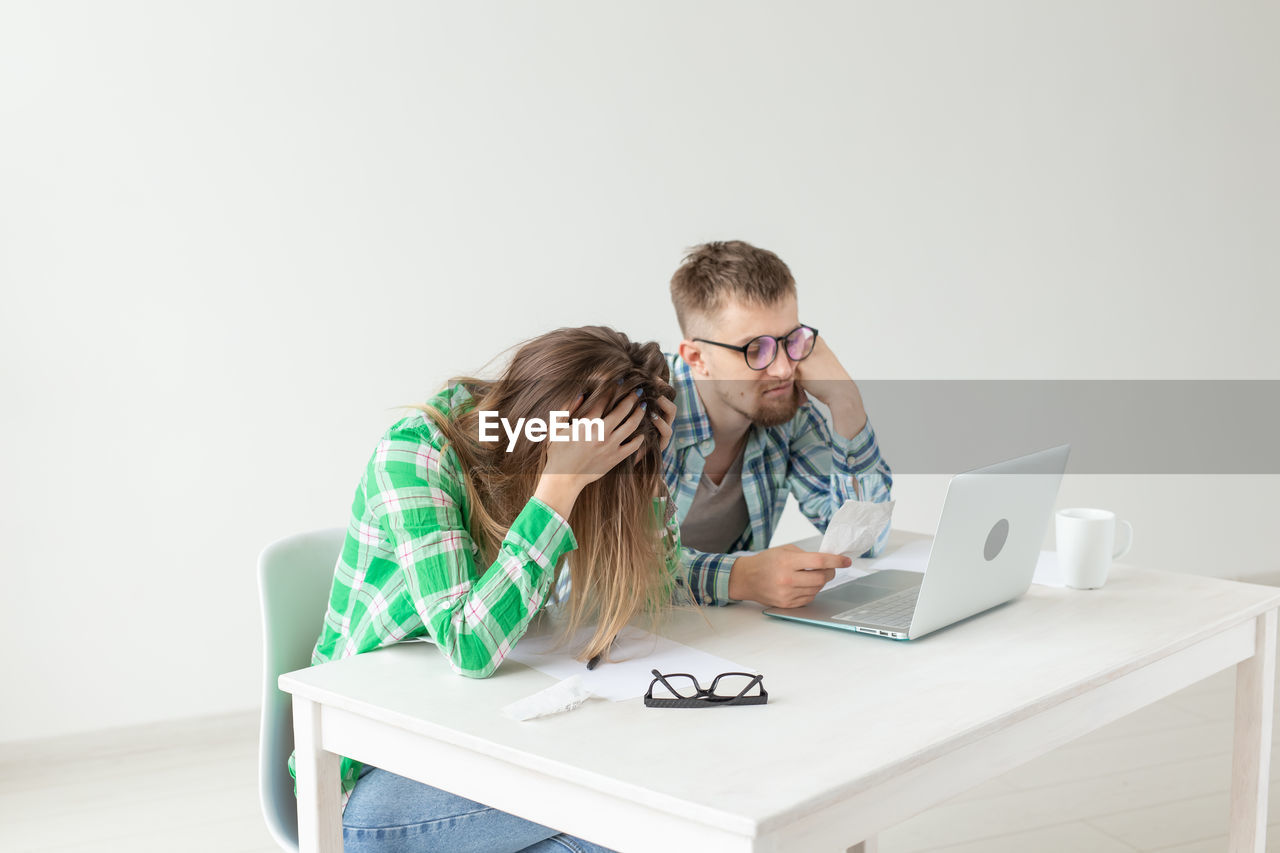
<point x="662" y="420"/>
<point x="571" y="465"/>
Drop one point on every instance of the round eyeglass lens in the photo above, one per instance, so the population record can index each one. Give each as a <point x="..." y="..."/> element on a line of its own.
<point x="800" y="343"/>
<point x="760" y="352"/>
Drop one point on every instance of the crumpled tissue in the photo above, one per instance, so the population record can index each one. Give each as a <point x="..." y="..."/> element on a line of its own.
<point x="855" y="527"/>
<point x="562" y="696"/>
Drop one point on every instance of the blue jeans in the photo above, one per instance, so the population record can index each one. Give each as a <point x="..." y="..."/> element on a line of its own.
<point x="391" y="814"/>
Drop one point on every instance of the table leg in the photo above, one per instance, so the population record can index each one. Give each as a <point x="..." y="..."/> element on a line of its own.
<point x="1251" y="758"/>
<point x="319" y="794"/>
<point x="868" y="846"/>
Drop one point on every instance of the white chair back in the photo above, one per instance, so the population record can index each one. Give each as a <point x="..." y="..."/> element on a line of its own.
<point x="294" y="579"/>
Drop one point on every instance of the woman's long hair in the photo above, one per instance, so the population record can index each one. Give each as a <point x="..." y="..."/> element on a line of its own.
<point x="619" y="569"/>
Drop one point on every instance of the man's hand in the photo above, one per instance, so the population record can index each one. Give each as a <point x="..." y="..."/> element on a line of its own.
<point x="822" y="376"/>
<point x="786" y="576"/>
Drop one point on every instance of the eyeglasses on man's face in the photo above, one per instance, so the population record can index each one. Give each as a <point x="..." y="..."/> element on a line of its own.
<point x="761" y="351"/>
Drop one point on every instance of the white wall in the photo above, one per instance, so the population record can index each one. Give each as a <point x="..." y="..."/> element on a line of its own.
<point x="233" y="235"/>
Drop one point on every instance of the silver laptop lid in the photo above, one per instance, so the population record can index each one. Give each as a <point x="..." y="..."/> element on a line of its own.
<point x="993" y="523"/>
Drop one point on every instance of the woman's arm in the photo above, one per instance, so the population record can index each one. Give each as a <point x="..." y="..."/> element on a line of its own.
<point x="474" y="617"/>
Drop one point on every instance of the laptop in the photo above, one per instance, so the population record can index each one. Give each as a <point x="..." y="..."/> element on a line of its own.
<point x="993" y="523"/>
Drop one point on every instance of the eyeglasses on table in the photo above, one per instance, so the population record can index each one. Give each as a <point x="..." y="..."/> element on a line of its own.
<point x="682" y="690"/>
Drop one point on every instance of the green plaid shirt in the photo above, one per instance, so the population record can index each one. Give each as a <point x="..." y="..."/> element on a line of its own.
<point x="408" y="565"/>
<point x="823" y="469"/>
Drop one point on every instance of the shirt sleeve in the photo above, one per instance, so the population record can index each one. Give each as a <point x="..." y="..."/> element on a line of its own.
<point x="828" y="469"/>
<point x="474" y="617"/>
<point x="707" y="574"/>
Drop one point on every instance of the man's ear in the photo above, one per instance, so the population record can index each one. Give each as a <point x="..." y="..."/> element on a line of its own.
<point x="691" y="353"/>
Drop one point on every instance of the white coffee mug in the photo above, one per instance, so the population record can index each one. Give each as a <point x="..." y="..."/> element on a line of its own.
<point x="1087" y="545"/>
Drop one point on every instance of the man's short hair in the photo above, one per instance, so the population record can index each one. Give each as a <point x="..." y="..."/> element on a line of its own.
<point x="714" y="273"/>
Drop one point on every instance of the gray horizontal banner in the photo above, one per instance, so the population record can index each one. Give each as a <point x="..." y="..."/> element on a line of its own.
<point x="1113" y="426"/>
<point x="932" y="426"/>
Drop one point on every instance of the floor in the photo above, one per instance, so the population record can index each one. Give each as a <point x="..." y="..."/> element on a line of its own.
<point x="1156" y="780"/>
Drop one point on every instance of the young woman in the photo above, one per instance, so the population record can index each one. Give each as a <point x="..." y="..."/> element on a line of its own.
<point x="462" y="539"/>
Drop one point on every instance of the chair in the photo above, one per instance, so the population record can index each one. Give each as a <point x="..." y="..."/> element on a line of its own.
<point x="294" y="578"/>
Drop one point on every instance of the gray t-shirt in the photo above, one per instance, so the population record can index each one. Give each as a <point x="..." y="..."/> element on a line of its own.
<point x="718" y="514"/>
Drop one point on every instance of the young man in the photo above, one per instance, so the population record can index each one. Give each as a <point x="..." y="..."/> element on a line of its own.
<point x="747" y="433"/>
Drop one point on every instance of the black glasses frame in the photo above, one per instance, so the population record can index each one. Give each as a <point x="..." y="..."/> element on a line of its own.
<point x="780" y="343"/>
<point x="704" y="698"/>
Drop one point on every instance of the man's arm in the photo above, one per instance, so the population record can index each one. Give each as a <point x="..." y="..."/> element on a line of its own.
<point x="828" y="467"/>
<point x="785" y="576"/>
<point x="708" y="575"/>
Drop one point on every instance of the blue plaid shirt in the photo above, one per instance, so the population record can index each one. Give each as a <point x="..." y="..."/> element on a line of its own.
<point x="804" y="456"/>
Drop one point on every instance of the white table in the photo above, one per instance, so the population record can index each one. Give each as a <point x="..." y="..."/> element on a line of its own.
<point x="859" y="733"/>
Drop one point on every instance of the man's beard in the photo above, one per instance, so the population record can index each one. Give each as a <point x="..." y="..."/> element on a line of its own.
<point x="775" y="412"/>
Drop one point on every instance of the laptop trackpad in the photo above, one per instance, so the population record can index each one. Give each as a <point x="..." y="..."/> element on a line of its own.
<point x="875" y="585"/>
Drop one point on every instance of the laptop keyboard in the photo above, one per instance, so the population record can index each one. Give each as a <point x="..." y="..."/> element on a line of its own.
<point x="892" y="610"/>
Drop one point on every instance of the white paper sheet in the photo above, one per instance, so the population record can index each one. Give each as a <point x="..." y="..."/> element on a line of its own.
<point x="635" y="653"/>
<point x="914" y="556"/>
<point x="855" y="526"/>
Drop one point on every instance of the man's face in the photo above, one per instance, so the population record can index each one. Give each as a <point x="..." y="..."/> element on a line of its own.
<point x="766" y="397"/>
